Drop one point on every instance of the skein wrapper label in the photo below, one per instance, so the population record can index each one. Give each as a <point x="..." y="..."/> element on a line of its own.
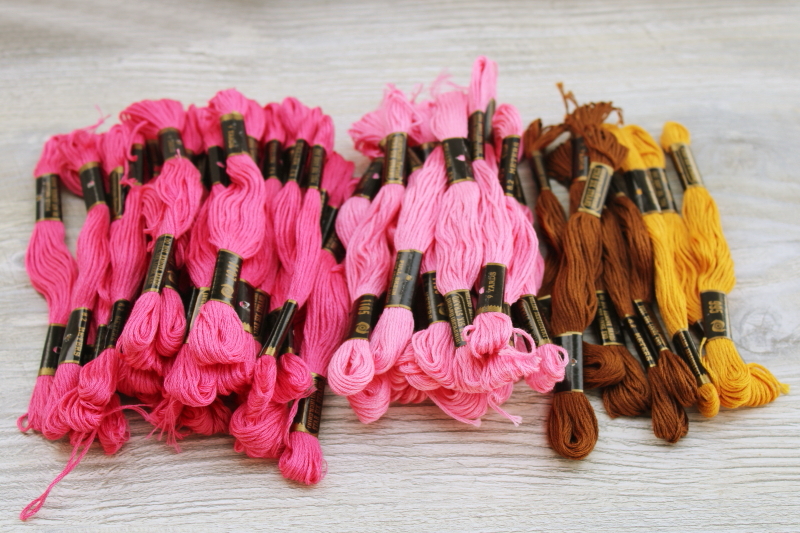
<point x="100" y="342"/>
<point x="488" y="133"/>
<point x="309" y="409"/>
<point x="136" y="165"/>
<point x="492" y="289"/>
<point x="425" y="149"/>
<point x="370" y="182"/>
<point x="404" y="279"/>
<point x="169" y="139"/>
<point x="234" y="136"/>
<point x="118" y="193"/>
<point x="573" y="373"/>
<point x="519" y="194"/>
<point x="651" y="326"/>
<point x="413" y="160"/>
<point x="153" y="159"/>
<point x="252" y="148"/>
<point x="316" y="166"/>
<point x="662" y="189"/>
<point x="539" y="171"/>
<point x="580" y="159"/>
<point x="272" y="165"/>
<point x="216" y="167"/>
<point x="280" y="329"/>
<point x="645" y="351"/>
<point x="457" y="160"/>
<point x="459" y="314"/>
<point x="297" y="161"/>
<point x="48" y="198"/>
<point x="686" y="166"/>
<point x="545" y="306"/>
<point x="365" y="316"/>
<point x="75" y="333"/>
<point x="198" y="298"/>
<point x="171" y="278"/>
<point x="528" y="317"/>
<point x="260" y="306"/>
<point x="335" y="247"/>
<point x="395" y="152"/>
<point x="226" y="274"/>
<point x="92" y="185"/>
<point x="119" y="316"/>
<point x="88" y="354"/>
<point x="477" y="134"/>
<point x="687" y="349"/>
<point x="508" y="164"/>
<point x="606" y="321"/>
<point x="640" y="190"/>
<point x="159" y="262"/>
<point x="245" y="303"/>
<point x="327" y="221"/>
<point x="716" y="320"/>
<point x="596" y="190"/>
<point x="52" y="347"/>
<point x="435" y="307"/>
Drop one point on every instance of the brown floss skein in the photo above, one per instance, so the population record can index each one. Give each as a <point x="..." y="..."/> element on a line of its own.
<point x="572" y="425"/>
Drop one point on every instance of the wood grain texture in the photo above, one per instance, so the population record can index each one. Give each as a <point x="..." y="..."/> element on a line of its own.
<point x="727" y="70"/>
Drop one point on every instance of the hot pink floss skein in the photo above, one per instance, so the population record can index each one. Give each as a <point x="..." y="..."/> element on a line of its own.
<point x="79" y="154"/>
<point x="52" y="271"/>
<point x="525" y="271"/>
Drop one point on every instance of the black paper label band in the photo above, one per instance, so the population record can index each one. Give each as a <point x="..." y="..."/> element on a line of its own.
<point x="596" y="190"/>
<point x="118" y="193"/>
<point x="539" y="171"/>
<point x="216" y="167"/>
<point x="335" y="247"/>
<point x="545" y="305"/>
<point x="394" y="149"/>
<point x="573" y="373"/>
<point x="639" y="342"/>
<point x="297" y="161"/>
<point x="72" y="344"/>
<point x="159" y="262"/>
<point x="92" y="185"/>
<point x="119" y="316"/>
<point x="272" y="165"/>
<point x="370" y="182"/>
<point x="716" y="320"/>
<point x="651" y="326"/>
<point x="580" y="159"/>
<point x="488" y="133"/>
<point x="457" y="160"/>
<point x="198" y="298"/>
<point x="527" y="316"/>
<point x="234" y="136"/>
<point x="226" y="274"/>
<point x="327" y="221"/>
<point x="508" y="164"/>
<point x="365" y="311"/>
<point x="252" y="148"/>
<point x="260" y="306"/>
<point x="316" y="166"/>
<point x="309" y="409"/>
<point x="171" y="278"/>
<point x="459" y="314"/>
<point x="153" y="159"/>
<point x="492" y="288"/>
<point x="641" y="191"/>
<point x="477" y="135"/>
<point x="425" y="149"/>
<point x="607" y="321"/>
<point x="100" y="342"/>
<point x="687" y="349"/>
<point x="136" y="165"/>
<point x="48" y="198"/>
<point x="245" y="304"/>
<point x="404" y="279"/>
<point x="686" y="166"/>
<point x="51" y="350"/>
<point x="280" y="329"/>
<point x="435" y="307"/>
<point x="662" y="189"/>
<point x="169" y="139"/>
<point x="413" y="161"/>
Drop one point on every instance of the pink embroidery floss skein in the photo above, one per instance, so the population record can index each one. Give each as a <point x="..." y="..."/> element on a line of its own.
<point x="52" y="271"/>
<point x="175" y="199"/>
<point x="368" y="260"/>
<point x="526" y="269"/>
<point x="79" y="154"/>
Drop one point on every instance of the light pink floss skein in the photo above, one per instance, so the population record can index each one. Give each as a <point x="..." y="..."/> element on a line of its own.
<point x="368" y="260"/>
<point x="52" y="271"/>
<point x="525" y="271"/>
<point x="176" y="197"/>
<point x="79" y="154"/>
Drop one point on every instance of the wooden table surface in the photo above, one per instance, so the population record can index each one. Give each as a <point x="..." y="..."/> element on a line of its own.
<point x="727" y="70"/>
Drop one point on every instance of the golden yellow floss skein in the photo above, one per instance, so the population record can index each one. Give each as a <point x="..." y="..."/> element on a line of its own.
<point x="670" y="251"/>
<point x="738" y="383"/>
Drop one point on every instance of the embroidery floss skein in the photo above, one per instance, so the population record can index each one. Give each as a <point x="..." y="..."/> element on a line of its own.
<point x="738" y="383"/>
